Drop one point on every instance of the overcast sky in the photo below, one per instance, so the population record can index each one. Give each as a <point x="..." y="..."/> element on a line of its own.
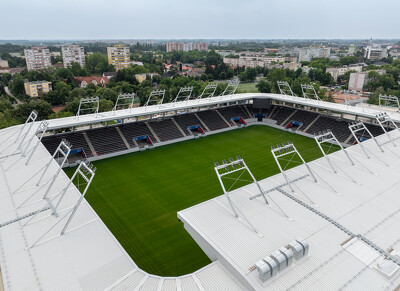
<point x="194" y="19"/>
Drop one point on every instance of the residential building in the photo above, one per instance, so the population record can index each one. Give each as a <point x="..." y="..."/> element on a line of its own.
<point x="37" y="58"/>
<point x="338" y="71"/>
<point x="186" y="46"/>
<point x="35" y="89"/>
<point x="73" y="54"/>
<point x="84" y="81"/>
<point x="5" y="70"/>
<point x="357" y="81"/>
<point x="252" y="62"/>
<point x="375" y="52"/>
<point x="307" y="54"/>
<point x="352" y="49"/>
<point x="271" y="50"/>
<point x="141" y="77"/>
<point x="119" y="56"/>
<point x="3" y="63"/>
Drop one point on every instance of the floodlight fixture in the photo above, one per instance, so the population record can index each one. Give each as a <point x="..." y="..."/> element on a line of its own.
<point x="184" y="94"/>
<point x="209" y="91"/>
<point x="88" y="105"/>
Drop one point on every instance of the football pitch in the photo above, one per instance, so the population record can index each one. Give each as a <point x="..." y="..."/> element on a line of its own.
<point x="137" y="195"/>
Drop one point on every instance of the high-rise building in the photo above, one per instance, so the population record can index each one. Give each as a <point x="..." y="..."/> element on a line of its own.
<point x="307" y="54"/>
<point x="37" y="58"/>
<point x="119" y="56"/>
<point x="73" y="54"/>
<point x="186" y="46"/>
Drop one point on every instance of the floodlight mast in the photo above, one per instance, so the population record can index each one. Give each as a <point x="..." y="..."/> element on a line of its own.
<point x="155" y="97"/>
<point x="121" y="101"/>
<point x="231" y="87"/>
<point x="87" y="172"/>
<point x="284" y="150"/>
<point x="232" y="167"/>
<point x="285" y="88"/>
<point x="389" y="101"/>
<point x="382" y="119"/>
<point x="309" y="92"/>
<point x="208" y="91"/>
<point x="330" y="137"/>
<point x="184" y="93"/>
<point x="360" y="126"/>
<point x="94" y="107"/>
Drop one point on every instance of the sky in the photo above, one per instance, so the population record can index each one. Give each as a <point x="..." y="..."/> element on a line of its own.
<point x="199" y="19"/>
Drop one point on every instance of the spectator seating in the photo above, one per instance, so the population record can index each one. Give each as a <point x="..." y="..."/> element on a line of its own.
<point x="185" y="120"/>
<point x="233" y="111"/>
<point x="76" y="139"/>
<point x="106" y="140"/>
<point x="166" y="129"/>
<point x="305" y="117"/>
<point x="212" y="119"/>
<point x="135" y="129"/>
<point x="282" y="113"/>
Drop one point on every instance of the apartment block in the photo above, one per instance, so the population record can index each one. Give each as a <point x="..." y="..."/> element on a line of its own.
<point x="3" y="63"/>
<point x="375" y="52"/>
<point x="336" y="72"/>
<point x="252" y="62"/>
<point x="35" y="89"/>
<point x="37" y="58"/>
<point x="307" y="54"/>
<point x="73" y="54"/>
<point x="186" y="46"/>
<point x="119" y="56"/>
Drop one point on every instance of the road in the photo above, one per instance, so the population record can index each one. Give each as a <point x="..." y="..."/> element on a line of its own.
<point x="8" y="92"/>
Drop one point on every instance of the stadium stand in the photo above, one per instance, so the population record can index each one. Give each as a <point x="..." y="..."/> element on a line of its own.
<point x="185" y="120"/>
<point x="106" y="140"/>
<point x="340" y="128"/>
<point x="131" y="130"/>
<point x="212" y="119"/>
<point x="75" y="138"/>
<point x="234" y="111"/>
<point x="282" y="113"/>
<point x="166" y="129"/>
<point x="305" y="117"/>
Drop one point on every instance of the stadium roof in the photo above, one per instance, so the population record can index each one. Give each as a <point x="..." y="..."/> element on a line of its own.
<point x="338" y="259"/>
<point x="168" y="107"/>
<point x="88" y="257"/>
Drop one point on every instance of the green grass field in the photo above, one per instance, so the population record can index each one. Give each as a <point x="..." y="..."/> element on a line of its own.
<point x="247" y="88"/>
<point x="138" y="195"/>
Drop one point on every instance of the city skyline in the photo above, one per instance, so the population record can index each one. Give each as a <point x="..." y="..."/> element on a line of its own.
<point x="156" y="19"/>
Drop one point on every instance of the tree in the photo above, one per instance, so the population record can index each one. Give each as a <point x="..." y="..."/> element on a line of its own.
<point x="264" y="86"/>
<point x="105" y="105"/>
<point x="18" y="87"/>
<point x="274" y="76"/>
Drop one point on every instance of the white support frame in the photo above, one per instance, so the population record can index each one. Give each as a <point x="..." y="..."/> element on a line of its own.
<point x="31" y="118"/>
<point x="185" y="93"/>
<point x="87" y="172"/>
<point x="283" y="151"/>
<point x="329" y="137"/>
<point x="89" y="100"/>
<point x="40" y="130"/>
<point x="309" y="92"/>
<point x="155" y="94"/>
<point x="389" y="101"/>
<point x="64" y="149"/>
<point x="123" y="98"/>
<point x="231" y="88"/>
<point x="285" y="88"/>
<point x="382" y="119"/>
<point x="209" y="91"/>
<point x="229" y="168"/>
<point x="360" y="126"/>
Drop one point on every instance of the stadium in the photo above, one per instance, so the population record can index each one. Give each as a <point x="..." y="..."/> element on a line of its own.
<point x="250" y="191"/>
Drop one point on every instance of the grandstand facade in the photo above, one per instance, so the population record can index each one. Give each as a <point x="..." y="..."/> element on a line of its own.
<point x="336" y="231"/>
